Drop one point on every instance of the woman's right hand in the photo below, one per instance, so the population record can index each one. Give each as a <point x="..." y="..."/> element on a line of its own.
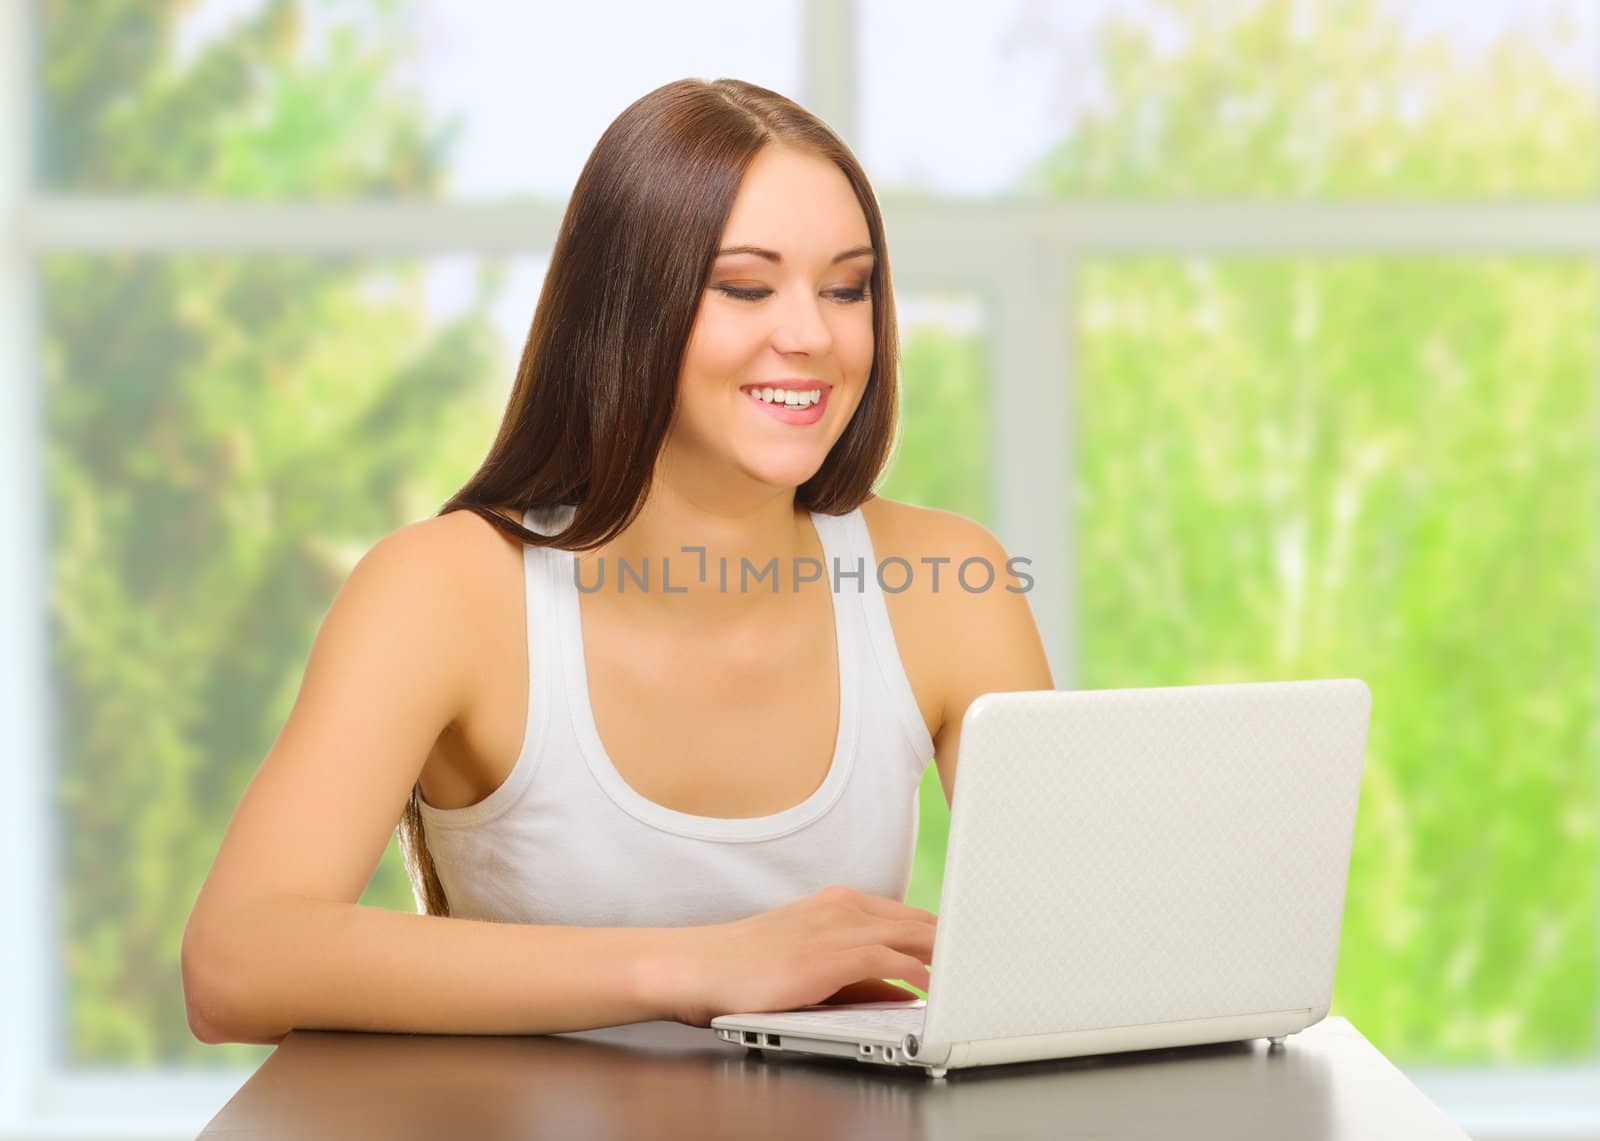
<point x="800" y="954"/>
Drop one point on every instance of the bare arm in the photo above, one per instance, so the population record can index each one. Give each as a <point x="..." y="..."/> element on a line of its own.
<point x="329" y="965"/>
<point x="1001" y="649"/>
<point x="276" y="939"/>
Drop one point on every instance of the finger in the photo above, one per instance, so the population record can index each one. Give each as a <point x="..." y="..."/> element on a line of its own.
<point x="905" y="935"/>
<point x="884" y="908"/>
<point x="880" y="962"/>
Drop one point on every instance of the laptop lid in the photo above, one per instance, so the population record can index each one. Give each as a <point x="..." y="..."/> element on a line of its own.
<point x="1133" y="856"/>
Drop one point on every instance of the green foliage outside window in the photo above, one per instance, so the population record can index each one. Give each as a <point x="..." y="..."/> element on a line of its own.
<point x="225" y="435"/>
<point x="1372" y="467"/>
<point x="1385" y="469"/>
<point x="1286" y="467"/>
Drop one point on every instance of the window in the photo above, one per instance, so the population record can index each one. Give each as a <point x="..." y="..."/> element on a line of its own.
<point x="1266" y="331"/>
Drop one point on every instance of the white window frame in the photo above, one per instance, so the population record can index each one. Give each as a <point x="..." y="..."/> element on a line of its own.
<point x="1021" y="259"/>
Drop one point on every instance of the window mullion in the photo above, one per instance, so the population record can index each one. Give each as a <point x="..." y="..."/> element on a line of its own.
<point x="1031" y="366"/>
<point x="30" y="987"/>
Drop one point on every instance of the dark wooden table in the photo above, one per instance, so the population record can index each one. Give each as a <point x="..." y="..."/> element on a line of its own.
<point x="666" y="1080"/>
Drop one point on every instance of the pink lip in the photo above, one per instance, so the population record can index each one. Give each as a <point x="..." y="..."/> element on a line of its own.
<point x="788" y="384"/>
<point x="802" y="416"/>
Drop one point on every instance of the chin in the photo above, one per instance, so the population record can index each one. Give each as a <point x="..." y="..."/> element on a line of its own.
<point x="785" y="477"/>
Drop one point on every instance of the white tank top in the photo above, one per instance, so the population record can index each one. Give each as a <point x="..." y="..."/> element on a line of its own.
<point x="566" y="841"/>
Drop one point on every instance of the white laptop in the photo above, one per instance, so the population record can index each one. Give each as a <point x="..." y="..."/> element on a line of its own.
<point x="1128" y="869"/>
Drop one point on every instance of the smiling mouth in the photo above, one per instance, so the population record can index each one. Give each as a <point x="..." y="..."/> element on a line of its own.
<point x="804" y="410"/>
<point x="777" y="396"/>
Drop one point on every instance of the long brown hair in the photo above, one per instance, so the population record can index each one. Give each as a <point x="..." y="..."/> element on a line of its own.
<point x="596" y="388"/>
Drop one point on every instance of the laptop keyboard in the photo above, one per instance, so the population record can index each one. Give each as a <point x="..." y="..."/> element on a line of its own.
<point x="905" y="1020"/>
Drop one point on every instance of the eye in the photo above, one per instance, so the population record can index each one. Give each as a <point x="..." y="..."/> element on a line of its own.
<point x="743" y="294"/>
<point x="848" y="296"/>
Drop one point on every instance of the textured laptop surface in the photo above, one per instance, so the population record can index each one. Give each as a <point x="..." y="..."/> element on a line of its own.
<point x="1126" y="857"/>
<point x="1133" y="868"/>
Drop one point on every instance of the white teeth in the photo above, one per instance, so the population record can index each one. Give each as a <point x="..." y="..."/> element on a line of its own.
<point x="788" y="399"/>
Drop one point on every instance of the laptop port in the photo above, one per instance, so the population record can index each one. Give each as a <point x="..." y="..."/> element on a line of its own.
<point x="773" y="1040"/>
<point x="867" y="1049"/>
<point x="751" y="1038"/>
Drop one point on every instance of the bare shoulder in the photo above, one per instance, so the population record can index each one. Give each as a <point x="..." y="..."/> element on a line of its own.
<point x="927" y="532"/>
<point x="962" y="580"/>
<point x="976" y="622"/>
<point x="462" y="567"/>
<point x="467" y="546"/>
<point x="464" y="528"/>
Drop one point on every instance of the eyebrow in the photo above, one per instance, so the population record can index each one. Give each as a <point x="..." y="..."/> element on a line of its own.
<point x="777" y="259"/>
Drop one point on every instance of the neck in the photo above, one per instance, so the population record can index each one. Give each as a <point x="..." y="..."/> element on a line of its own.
<point x="726" y="577"/>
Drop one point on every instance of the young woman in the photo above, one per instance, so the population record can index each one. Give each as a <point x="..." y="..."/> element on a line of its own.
<point x="650" y="722"/>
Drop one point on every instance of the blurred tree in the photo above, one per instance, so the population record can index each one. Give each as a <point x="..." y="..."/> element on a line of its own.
<point x="226" y="435"/>
<point x="1288" y="468"/>
<point x="1365" y="466"/>
<point x="1260" y="99"/>
<point x="942" y="457"/>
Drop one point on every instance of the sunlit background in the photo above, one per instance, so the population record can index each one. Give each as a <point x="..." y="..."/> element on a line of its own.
<point x="1270" y="331"/>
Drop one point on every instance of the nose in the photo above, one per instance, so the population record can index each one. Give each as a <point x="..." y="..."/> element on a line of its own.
<point x="801" y="326"/>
